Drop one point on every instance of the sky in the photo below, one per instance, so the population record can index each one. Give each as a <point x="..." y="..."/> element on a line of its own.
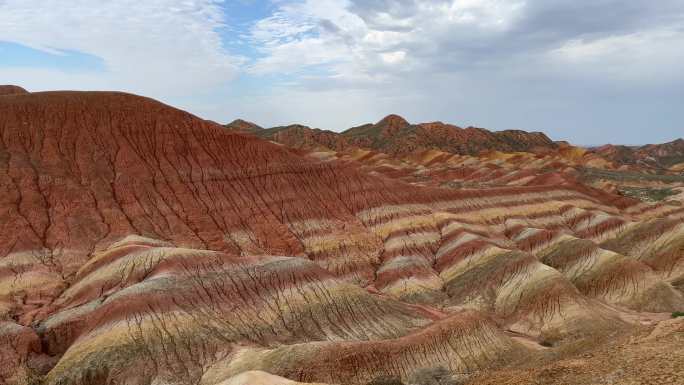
<point x="587" y="71"/>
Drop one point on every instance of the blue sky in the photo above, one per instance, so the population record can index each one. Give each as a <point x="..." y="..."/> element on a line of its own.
<point x="586" y="71"/>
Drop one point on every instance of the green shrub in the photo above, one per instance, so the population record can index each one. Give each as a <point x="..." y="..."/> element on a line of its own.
<point x="678" y="314"/>
<point x="647" y="194"/>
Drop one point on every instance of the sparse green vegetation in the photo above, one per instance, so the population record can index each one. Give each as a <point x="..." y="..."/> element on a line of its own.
<point x="386" y="380"/>
<point x="646" y="193"/>
<point x="678" y="314"/>
<point x="591" y="174"/>
<point x="437" y="375"/>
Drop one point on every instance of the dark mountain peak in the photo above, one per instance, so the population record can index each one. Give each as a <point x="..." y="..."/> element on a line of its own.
<point x="480" y="129"/>
<point x="12" y="90"/>
<point x="297" y="126"/>
<point x="244" y="125"/>
<point x="393" y="121"/>
<point x="527" y="136"/>
<point x="438" y="125"/>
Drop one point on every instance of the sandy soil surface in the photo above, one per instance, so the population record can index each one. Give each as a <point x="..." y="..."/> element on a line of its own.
<point x="653" y="354"/>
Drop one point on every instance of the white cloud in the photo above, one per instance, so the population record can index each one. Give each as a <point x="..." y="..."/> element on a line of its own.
<point x="355" y="44"/>
<point x="352" y="40"/>
<point x="648" y="58"/>
<point x="393" y="57"/>
<point x="481" y="13"/>
<point x="155" y="47"/>
<point x="561" y="66"/>
<point x="557" y="66"/>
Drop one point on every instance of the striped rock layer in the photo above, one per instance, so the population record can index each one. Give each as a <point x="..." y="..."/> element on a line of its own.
<point x="143" y="245"/>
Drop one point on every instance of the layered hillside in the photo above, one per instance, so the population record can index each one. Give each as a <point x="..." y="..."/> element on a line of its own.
<point x="444" y="155"/>
<point x="141" y="244"/>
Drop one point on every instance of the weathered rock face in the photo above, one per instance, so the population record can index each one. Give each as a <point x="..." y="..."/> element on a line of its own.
<point x="19" y="345"/>
<point x="140" y="244"/>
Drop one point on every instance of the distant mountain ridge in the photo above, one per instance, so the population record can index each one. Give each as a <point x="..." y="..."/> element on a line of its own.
<point x="394" y="135"/>
<point x="668" y="155"/>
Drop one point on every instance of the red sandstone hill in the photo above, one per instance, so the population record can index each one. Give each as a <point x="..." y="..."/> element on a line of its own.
<point x="395" y="136"/>
<point x="140" y="244"/>
<point x="82" y="169"/>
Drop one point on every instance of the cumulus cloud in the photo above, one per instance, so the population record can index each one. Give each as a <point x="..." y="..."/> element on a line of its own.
<point x="650" y="57"/>
<point x="588" y="71"/>
<point x="156" y="47"/>
<point x="495" y="63"/>
<point x="363" y="36"/>
<point x="353" y="36"/>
